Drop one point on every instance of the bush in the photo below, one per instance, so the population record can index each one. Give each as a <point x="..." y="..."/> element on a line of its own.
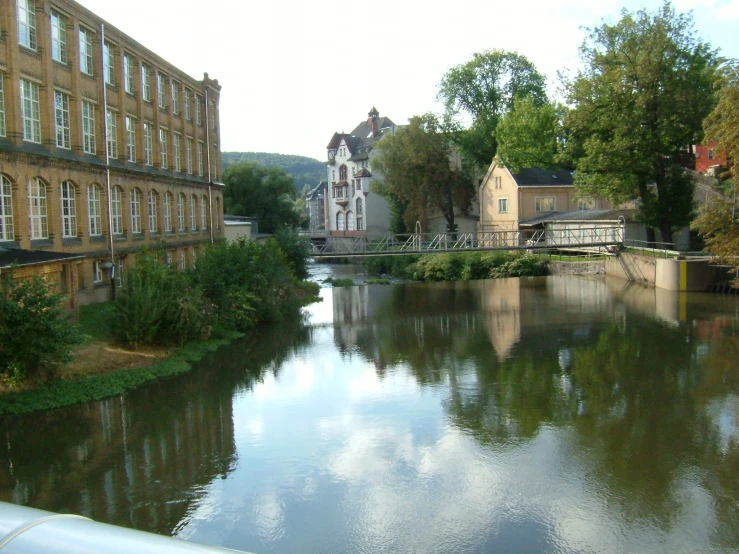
<point x="343" y="282"/>
<point x="297" y="249"/>
<point x="36" y="333"/>
<point x="475" y="265"/>
<point x="397" y="266"/>
<point x="159" y="305"/>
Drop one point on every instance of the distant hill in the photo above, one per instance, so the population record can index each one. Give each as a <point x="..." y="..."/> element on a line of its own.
<point x="303" y="170"/>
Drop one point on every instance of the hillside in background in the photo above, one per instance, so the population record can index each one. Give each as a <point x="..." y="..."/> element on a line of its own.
<point x="303" y="170"/>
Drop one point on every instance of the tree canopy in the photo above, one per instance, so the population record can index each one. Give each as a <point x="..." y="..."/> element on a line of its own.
<point x="639" y="103"/>
<point x="266" y="193"/>
<point x="419" y="169"/>
<point x="529" y="135"/>
<point x="303" y="170"/>
<point x="722" y="125"/>
<point x="481" y="91"/>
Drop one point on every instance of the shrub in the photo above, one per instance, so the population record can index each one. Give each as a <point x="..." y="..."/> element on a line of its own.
<point x="297" y="249"/>
<point x="475" y="265"/>
<point x="521" y="266"/>
<point x="343" y="282"/>
<point x="396" y="266"/>
<point x="36" y="333"/>
<point x="159" y="305"/>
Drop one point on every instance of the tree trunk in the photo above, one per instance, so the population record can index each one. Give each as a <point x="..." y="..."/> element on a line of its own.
<point x="666" y="230"/>
<point x="644" y="197"/>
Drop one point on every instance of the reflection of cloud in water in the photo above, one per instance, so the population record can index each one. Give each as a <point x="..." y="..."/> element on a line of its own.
<point x="724" y="412"/>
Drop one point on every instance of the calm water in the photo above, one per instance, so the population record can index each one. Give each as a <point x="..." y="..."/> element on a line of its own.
<point x="540" y="415"/>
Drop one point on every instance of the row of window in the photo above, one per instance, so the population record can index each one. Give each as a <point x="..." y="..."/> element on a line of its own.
<point x="345" y="221"/>
<point x="544" y="204"/>
<point x="27" y="38"/>
<point x="38" y="202"/>
<point x="31" y="118"/>
<point x="344" y="171"/>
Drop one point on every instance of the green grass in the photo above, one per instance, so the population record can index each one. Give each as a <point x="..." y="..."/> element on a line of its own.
<point x="563" y="258"/>
<point x="67" y="392"/>
<point x="377" y="281"/>
<point x="94" y="319"/>
<point x="650" y="253"/>
<point x="344" y="282"/>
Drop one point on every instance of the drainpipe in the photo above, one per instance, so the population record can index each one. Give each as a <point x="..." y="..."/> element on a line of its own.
<point x="210" y="181"/>
<point x="107" y="165"/>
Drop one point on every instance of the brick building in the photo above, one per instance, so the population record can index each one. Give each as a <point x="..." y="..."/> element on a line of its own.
<point x="104" y="148"/>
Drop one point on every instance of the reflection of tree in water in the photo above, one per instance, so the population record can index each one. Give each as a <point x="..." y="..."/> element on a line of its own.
<point x="634" y="393"/>
<point x="144" y="459"/>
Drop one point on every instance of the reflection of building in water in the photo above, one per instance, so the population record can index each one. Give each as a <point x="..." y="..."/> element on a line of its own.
<point x="353" y="308"/>
<point x="138" y="462"/>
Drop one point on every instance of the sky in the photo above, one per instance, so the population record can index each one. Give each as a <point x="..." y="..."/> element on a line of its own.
<point x="294" y="72"/>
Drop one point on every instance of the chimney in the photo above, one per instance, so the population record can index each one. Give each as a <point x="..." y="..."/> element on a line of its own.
<point x="372" y="120"/>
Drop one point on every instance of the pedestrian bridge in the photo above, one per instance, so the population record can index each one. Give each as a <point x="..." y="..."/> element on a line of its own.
<point x="581" y="237"/>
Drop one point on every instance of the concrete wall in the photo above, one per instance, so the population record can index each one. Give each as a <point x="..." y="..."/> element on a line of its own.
<point x="596" y="267"/>
<point x="665" y="273"/>
<point x="641" y="269"/>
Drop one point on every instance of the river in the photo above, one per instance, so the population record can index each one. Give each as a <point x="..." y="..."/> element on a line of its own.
<point x="558" y="414"/>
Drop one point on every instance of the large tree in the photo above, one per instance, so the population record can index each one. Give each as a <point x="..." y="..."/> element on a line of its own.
<point x="647" y="84"/>
<point x="717" y="220"/>
<point x="530" y="135"/>
<point x="478" y="93"/>
<point x="419" y="170"/>
<point x="266" y="193"/>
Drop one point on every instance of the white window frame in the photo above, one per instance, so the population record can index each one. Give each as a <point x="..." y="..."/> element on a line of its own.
<point x="163" y="148"/>
<point x="97" y="272"/>
<point x="501" y="206"/>
<point x="27" y="23"/>
<point x="198" y="110"/>
<point x="193" y="213"/>
<point x="108" y="63"/>
<point x="146" y="82"/>
<point x="160" y="91"/>
<point x="349" y="221"/>
<point x="188" y="105"/>
<point x="38" y="213"/>
<point x="203" y="213"/>
<point x="116" y="210"/>
<point x="538" y="207"/>
<point x="148" y="144"/>
<point x="86" y="51"/>
<point x="182" y="259"/>
<point x="30" y="111"/>
<point x="174" y="86"/>
<point x="135" y="211"/>
<point x="152" y="204"/>
<point x="58" y="37"/>
<point x="128" y="73"/>
<point x="88" y="127"/>
<point x="201" y="155"/>
<point x="176" y="145"/>
<point x="61" y="118"/>
<point x="111" y="122"/>
<point x="94" y="211"/>
<point x="6" y="209"/>
<point x="131" y="138"/>
<point x="181" y="212"/>
<point x="188" y="155"/>
<point x="68" y="192"/>
<point x="168" y="212"/>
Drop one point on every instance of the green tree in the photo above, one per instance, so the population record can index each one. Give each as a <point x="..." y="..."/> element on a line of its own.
<point x="36" y="333"/>
<point x="481" y="91"/>
<point x="530" y="134"/>
<point x="418" y="166"/>
<point x="266" y="193"/>
<point x="639" y="102"/>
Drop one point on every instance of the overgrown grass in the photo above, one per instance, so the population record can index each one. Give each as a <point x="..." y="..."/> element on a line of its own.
<point x="343" y="282"/>
<point x="377" y="281"/>
<point x="94" y="320"/>
<point x="66" y="392"/>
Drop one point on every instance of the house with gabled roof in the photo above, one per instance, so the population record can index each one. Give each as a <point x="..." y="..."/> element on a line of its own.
<point x="351" y="209"/>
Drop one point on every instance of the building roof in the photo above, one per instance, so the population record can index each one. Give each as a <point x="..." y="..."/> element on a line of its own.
<point x="578" y="216"/>
<point x="317" y="191"/>
<point x="535" y="177"/>
<point x="20" y="258"/>
<point x="364" y="172"/>
<point x="362" y="139"/>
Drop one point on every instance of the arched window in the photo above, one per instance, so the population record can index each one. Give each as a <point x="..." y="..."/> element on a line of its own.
<point x="94" y="212"/>
<point x="37" y="209"/>
<point x="136" y="211"/>
<point x="153" y="212"/>
<point x="342" y="173"/>
<point x="193" y="212"/>
<point x="6" y="209"/>
<point x="168" y="212"/>
<point x="116" y="210"/>
<point x="203" y="213"/>
<point x="69" y="209"/>
<point x="340" y="221"/>
<point x="349" y="221"/>
<point x="181" y="212"/>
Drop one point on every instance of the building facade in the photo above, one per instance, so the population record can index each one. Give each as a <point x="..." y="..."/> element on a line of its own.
<point x="351" y="209"/>
<point x="709" y="157"/>
<point x="105" y="147"/>
<point x="315" y="202"/>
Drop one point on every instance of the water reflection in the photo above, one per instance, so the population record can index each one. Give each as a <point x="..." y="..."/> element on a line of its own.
<point x="532" y="415"/>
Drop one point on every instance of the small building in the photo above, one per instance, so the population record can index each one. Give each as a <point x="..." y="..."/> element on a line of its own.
<point x="316" y="207"/>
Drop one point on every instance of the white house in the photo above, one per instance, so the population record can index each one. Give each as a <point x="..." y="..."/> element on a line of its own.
<point x="351" y="209"/>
